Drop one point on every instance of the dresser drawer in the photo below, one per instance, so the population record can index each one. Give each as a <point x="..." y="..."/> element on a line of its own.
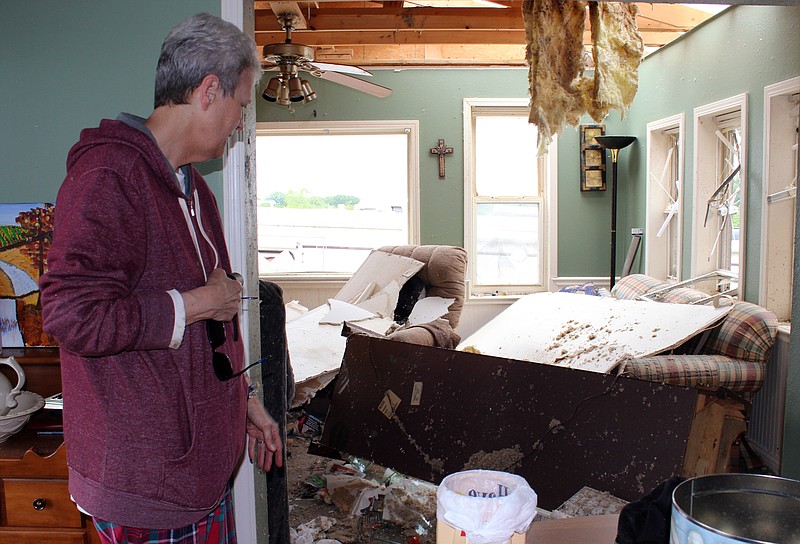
<point x="39" y="503"/>
<point x="42" y="536"/>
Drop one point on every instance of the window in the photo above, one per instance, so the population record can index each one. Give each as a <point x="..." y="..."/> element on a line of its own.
<point x="720" y="191"/>
<point x="508" y="209"/>
<point x="664" y="202"/>
<point x="330" y="192"/>
<point x="781" y="113"/>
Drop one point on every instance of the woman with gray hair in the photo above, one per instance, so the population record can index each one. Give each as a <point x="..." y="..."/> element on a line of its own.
<point x="141" y="299"/>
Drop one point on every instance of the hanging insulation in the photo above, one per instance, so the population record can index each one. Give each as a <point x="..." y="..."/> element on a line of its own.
<point x="560" y="92"/>
<point x="617" y="53"/>
<point x="554" y="30"/>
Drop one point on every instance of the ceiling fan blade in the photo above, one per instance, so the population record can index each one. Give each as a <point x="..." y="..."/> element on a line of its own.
<point x="358" y="84"/>
<point x="341" y="68"/>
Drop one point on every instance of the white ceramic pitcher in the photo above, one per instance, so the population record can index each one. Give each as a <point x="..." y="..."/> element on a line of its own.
<point x="8" y="394"/>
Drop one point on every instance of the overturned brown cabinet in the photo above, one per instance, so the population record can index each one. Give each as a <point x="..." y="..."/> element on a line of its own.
<point x="429" y="412"/>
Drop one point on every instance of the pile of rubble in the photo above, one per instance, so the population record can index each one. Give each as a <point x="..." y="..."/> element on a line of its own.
<point x="351" y="501"/>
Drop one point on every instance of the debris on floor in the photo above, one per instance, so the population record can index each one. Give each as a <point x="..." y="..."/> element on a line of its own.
<point x="354" y="501"/>
<point x="591" y="502"/>
<point x="308" y="532"/>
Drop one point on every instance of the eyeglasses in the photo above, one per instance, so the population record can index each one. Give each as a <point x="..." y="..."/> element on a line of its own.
<point x="223" y="369"/>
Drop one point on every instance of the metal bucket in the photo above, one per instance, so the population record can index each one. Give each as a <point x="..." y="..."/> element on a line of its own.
<point x="733" y="508"/>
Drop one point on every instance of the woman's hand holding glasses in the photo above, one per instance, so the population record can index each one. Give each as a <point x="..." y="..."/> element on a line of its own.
<point x="219" y="299"/>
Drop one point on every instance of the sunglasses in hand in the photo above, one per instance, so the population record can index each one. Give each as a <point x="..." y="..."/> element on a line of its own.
<point x="223" y="369"/>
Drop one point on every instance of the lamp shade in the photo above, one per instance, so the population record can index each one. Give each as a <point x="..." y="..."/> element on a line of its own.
<point x="614" y="142"/>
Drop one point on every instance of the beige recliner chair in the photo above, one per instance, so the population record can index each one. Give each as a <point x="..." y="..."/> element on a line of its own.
<point x="443" y="275"/>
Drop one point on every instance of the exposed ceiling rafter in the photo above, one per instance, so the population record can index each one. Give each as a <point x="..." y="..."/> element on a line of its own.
<point x="439" y="32"/>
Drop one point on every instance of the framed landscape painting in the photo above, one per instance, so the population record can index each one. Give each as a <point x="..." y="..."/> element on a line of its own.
<point x="26" y="231"/>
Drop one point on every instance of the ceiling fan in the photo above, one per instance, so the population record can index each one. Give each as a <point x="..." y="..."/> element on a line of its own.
<point x="291" y="58"/>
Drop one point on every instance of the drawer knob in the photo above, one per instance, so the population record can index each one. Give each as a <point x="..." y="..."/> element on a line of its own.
<point x="39" y="504"/>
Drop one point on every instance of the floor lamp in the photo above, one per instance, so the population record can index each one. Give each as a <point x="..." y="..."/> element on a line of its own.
<point x="614" y="143"/>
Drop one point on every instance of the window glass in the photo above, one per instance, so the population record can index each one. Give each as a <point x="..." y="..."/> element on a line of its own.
<point x="505" y="206"/>
<point x="725" y="205"/>
<point x="782" y="147"/>
<point x="327" y="197"/>
<point x="505" y="157"/>
<point x="508" y="244"/>
<point x="673" y="228"/>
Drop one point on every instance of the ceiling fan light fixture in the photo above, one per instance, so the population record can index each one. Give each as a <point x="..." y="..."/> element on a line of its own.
<point x="273" y="90"/>
<point x="308" y="91"/>
<point x="283" y="98"/>
<point x="296" y="90"/>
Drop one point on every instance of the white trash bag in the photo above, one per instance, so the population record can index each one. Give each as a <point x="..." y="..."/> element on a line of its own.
<point x="488" y="506"/>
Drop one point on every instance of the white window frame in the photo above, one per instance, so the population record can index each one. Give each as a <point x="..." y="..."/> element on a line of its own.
<point x="704" y="183"/>
<point x="548" y="198"/>
<point x="779" y="203"/>
<point x="389" y="126"/>
<point x="658" y="200"/>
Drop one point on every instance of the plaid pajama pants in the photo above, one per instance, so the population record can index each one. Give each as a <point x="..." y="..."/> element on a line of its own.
<point x="217" y="528"/>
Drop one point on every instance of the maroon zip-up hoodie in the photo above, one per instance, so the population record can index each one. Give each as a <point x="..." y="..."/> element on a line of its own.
<point x="152" y="435"/>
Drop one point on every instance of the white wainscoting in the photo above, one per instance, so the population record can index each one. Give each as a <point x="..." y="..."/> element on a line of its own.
<point x="479" y="311"/>
<point x="311" y="293"/>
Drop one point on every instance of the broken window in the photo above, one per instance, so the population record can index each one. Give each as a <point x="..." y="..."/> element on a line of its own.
<point x="664" y="202"/>
<point x="723" y="207"/>
<point x="720" y="190"/>
<point x="781" y="121"/>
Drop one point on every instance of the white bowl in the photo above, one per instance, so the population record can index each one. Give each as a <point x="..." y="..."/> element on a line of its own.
<point x="27" y="404"/>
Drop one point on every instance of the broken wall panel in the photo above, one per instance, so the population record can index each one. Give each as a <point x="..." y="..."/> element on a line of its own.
<point x="428" y="412"/>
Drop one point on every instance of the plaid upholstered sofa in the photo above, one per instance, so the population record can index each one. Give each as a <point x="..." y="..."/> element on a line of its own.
<point x="734" y="355"/>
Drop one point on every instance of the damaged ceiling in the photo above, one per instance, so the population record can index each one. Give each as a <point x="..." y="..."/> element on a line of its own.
<point x="438" y="32"/>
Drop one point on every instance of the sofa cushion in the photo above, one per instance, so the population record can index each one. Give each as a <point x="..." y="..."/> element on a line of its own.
<point x="699" y="370"/>
<point x="438" y="333"/>
<point x="682" y="295"/>
<point x="747" y="334"/>
<point x="633" y="286"/>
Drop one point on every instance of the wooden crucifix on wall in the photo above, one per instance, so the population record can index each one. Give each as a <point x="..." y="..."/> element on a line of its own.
<point x="441" y="150"/>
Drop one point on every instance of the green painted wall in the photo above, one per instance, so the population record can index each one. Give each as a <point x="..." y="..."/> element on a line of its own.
<point x="66" y="65"/>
